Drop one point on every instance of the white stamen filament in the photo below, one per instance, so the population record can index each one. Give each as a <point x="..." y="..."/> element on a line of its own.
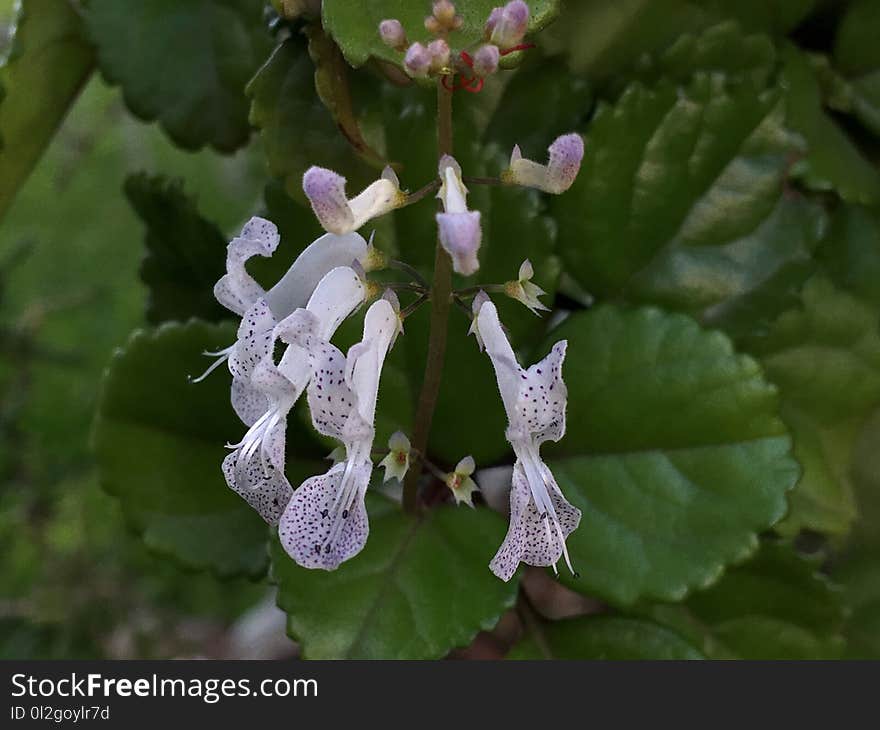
<point x="221" y="355"/>
<point x="343" y="502"/>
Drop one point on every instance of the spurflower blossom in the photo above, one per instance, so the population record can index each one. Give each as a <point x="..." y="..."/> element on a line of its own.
<point x="261" y="310"/>
<point x="525" y="291"/>
<point x="255" y="468"/>
<point x="396" y="463"/>
<point x="460" y="233"/>
<point x="557" y="176"/>
<point x="507" y="25"/>
<point x="325" y="522"/>
<point x="325" y="190"/>
<point x="535" y="399"/>
<point x="460" y="483"/>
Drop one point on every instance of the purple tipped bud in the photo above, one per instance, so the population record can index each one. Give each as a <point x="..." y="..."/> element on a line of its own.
<point x="566" y="154"/>
<point x="325" y="190"/>
<point x="492" y="22"/>
<point x="439" y="52"/>
<point x="510" y="24"/>
<point x="460" y="236"/>
<point x="417" y="61"/>
<point x="486" y="60"/>
<point x="392" y="34"/>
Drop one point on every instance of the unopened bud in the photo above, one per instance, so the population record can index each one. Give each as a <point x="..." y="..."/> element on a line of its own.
<point x="486" y="60"/>
<point x="506" y="26"/>
<point x="439" y="52"/>
<point x="417" y="61"/>
<point x="392" y="34"/>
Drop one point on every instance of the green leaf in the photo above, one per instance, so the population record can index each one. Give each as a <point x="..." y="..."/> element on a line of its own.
<point x="185" y="253"/>
<point x="539" y="103"/>
<point x="857" y="54"/>
<point x="184" y="63"/>
<point x="832" y="162"/>
<point x="825" y="357"/>
<point x="603" y="637"/>
<point x="722" y="49"/>
<point x="859" y="574"/>
<point x="48" y="63"/>
<point x="419" y="588"/>
<point x="852" y="254"/>
<point x="355" y="26"/>
<point x="603" y="38"/>
<point x="296" y="128"/>
<point x="776" y="606"/>
<point x="681" y="202"/>
<point x="674" y="454"/>
<point x="159" y="443"/>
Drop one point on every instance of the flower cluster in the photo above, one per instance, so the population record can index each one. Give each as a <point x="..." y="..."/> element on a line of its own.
<point x="503" y="33"/>
<point x="324" y="520"/>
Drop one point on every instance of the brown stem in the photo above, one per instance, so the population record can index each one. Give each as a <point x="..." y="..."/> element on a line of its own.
<point x="441" y="290"/>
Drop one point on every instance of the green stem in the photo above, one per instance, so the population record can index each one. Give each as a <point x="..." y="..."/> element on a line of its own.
<point x="441" y="291"/>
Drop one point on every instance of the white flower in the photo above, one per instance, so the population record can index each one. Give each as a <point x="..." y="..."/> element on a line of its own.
<point x="460" y="483"/>
<point x="534" y="399"/>
<point x="557" y="176"/>
<point x="460" y="233"/>
<point x="523" y="290"/>
<point x="255" y="469"/>
<point x="396" y="463"/>
<point x="325" y="190"/>
<point x="261" y="310"/>
<point x="325" y="522"/>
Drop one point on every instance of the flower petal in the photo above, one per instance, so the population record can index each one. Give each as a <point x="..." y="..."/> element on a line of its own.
<point x="267" y="494"/>
<point x="531" y="538"/>
<point x="237" y="290"/>
<point x="542" y="398"/>
<point x="461" y="236"/>
<point x="313" y="531"/>
<point x="329" y="251"/>
<point x="508" y="373"/>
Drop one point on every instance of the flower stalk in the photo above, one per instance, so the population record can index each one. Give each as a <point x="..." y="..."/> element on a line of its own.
<point x="441" y="293"/>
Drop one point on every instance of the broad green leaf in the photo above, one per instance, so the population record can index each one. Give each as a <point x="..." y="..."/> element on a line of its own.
<point x="674" y="454"/>
<point x="832" y="161"/>
<point x="538" y="104"/>
<point x="603" y="637"/>
<point x="159" y="443"/>
<point x="722" y="49"/>
<point x="825" y="357"/>
<point x="355" y="26"/>
<point x="184" y="63"/>
<point x="48" y="63"/>
<point x="296" y="128"/>
<point x="860" y="577"/>
<point x="420" y="588"/>
<point x="852" y="254"/>
<point x="857" y="54"/>
<point x="681" y="202"/>
<point x="185" y="253"/>
<point x="603" y="38"/>
<point x="776" y="606"/>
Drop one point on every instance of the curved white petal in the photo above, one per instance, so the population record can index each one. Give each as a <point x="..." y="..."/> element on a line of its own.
<point x="297" y="286"/>
<point x="508" y="373"/>
<point x="237" y="290"/>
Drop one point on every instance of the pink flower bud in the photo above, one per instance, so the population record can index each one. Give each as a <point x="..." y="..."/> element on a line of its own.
<point x="510" y="25"/>
<point x="392" y="34"/>
<point x="566" y="154"/>
<point x="492" y="22"/>
<point x="439" y="52"/>
<point x="486" y="60"/>
<point x="417" y="60"/>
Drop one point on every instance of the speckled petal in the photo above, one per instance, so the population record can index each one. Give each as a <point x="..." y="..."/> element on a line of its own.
<point x="532" y="538"/>
<point x="307" y="525"/>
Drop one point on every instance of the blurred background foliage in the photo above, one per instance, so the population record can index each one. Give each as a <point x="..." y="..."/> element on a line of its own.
<point x="785" y="91"/>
